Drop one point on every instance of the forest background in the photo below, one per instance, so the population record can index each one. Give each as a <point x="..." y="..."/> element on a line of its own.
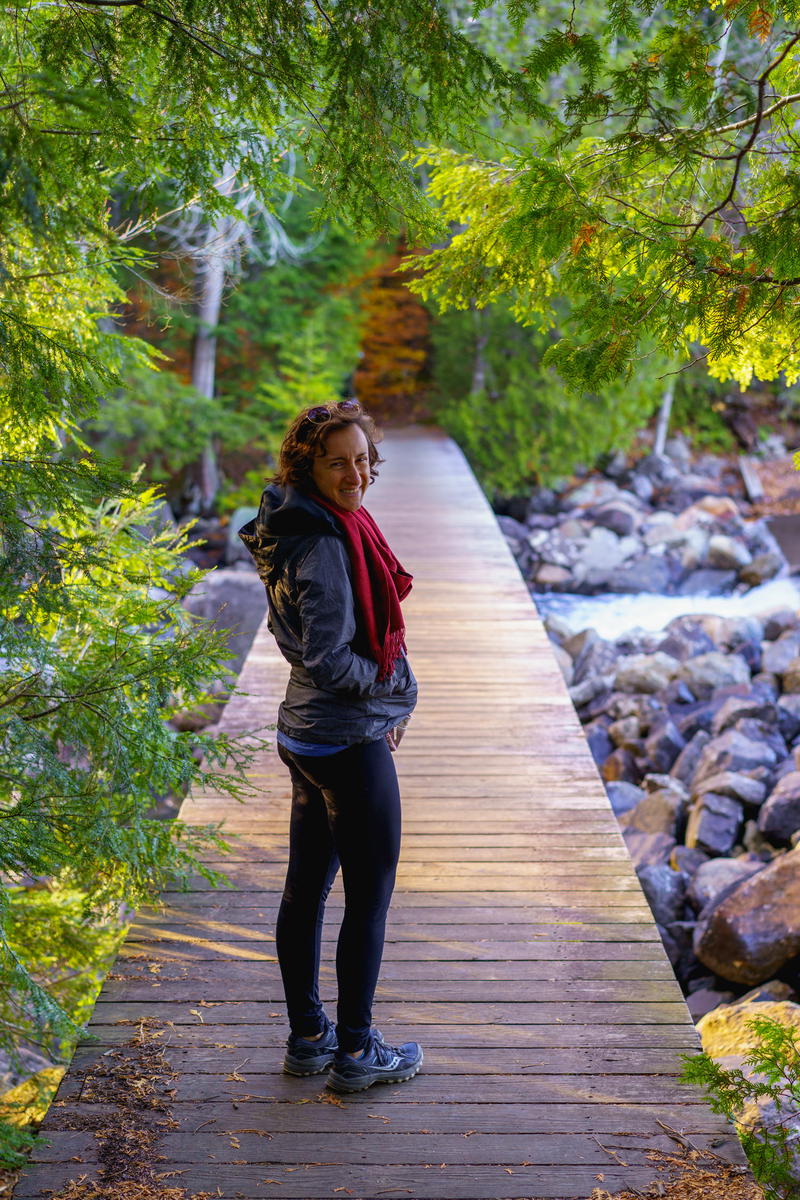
<point x="203" y="209"/>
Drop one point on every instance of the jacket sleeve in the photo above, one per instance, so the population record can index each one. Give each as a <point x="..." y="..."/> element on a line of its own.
<point x="327" y="619"/>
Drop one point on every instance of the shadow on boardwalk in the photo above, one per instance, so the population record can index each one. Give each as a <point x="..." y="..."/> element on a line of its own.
<point x="520" y="951"/>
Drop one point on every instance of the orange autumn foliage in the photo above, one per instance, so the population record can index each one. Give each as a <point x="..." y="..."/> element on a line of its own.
<point x="392" y="378"/>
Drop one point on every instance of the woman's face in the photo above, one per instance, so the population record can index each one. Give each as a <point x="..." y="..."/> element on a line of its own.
<point x="341" y="472"/>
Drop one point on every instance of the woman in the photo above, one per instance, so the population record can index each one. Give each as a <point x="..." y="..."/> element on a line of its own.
<point x="334" y="590"/>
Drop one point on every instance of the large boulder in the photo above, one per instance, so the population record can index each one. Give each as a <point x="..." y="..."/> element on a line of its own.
<point x="727" y="553"/>
<point x="739" y="787"/>
<point x="659" y="811"/>
<point x="755" y="930"/>
<point x="686" y="763"/>
<point x="623" y="796"/>
<point x="733" y="751"/>
<point x="779" y="817"/>
<point x="777" y="655"/>
<point x="735" y="708"/>
<point x="714" y="824"/>
<point x="665" y="892"/>
<point x="645" y="672"/>
<point x="663" y="744"/>
<point x="717" y="876"/>
<point x="235" y="603"/>
<point x="706" y="672"/>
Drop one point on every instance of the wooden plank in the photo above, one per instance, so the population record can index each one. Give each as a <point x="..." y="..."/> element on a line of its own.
<point x="520" y="950"/>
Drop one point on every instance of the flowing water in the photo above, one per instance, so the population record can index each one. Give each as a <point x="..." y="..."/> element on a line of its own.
<point x="613" y="615"/>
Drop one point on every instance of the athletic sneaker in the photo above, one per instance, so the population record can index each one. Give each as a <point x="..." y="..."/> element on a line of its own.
<point x="305" y="1057"/>
<point x="378" y="1064"/>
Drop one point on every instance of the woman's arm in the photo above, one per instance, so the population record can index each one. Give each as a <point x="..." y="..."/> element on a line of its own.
<point x="327" y="618"/>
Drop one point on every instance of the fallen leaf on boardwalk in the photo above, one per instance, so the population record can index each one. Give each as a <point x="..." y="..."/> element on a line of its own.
<point x="327" y="1098"/>
<point x="257" y="1132"/>
<point x="601" y="1178"/>
<point x="223" y="1046"/>
<point x="274" y="1014"/>
<point x="378" y="1117"/>
<point x="235" y="1077"/>
<point x="170" y="1174"/>
<point x="272" y="1181"/>
<point x="234" y="1143"/>
<point x="238" y="1162"/>
<point x="508" y="1170"/>
<point x="343" y="1189"/>
<point x="196" y="1013"/>
<point x="469" y="1133"/>
<point x="210" y="1003"/>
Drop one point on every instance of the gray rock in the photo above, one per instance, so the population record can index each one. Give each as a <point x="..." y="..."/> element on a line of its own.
<point x="235" y="602"/>
<point x="645" y="672"/>
<point x="620" y="765"/>
<point x="706" y="672"/>
<point x="705" y="999"/>
<point x="714" y="823"/>
<point x="715" y="877"/>
<point x="791" y="677"/>
<point x="689" y="859"/>
<point x="737" y="707"/>
<point x="658" y="812"/>
<point x="677" y="448"/>
<point x="548" y="575"/>
<point x="756" y="844"/>
<point x="235" y="549"/>
<point x="582" y="693"/>
<point x="685" y="643"/>
<point x="788" y="710"/>
<point x="650" y="573"/>
<point x="761" y="568"/>
<point x="771" y="992"/>
<point x="600" y="743"/>
<point x="513" y="530"/>
<point x="592" y="493"/>
<point x="727" y="553"/>
<point x="621" y="519"/>
<point x="778" y="622"/>
<point x="623" y="796"/>
<point x="663" y="744"/>
<point x="685" y="764"/>
<point x="739" y="787"/>
<point x="626" y="732"/>
<point x="779" y="818"/>
<point x="564" y="663"/>
<point x="597" y="657"/>
<point x="732" y="751"/>
<point x="664" y="890"/>
<point x="648" y="848"/>
<point x="755" y="930"/>
<point x="776" y="656"/>
<point x="707" y="582"/>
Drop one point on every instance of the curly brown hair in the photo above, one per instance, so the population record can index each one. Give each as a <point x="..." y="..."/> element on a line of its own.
<point x="305" y="440"/>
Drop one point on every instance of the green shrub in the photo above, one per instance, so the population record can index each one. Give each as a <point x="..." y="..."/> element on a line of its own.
<point x="775" y="1062"/>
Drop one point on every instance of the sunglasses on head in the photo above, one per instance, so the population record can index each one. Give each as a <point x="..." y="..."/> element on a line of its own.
<point x="326" y="412"/>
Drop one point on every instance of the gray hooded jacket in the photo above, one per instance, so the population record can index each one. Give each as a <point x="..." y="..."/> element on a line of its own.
<point x="333" y="695"/>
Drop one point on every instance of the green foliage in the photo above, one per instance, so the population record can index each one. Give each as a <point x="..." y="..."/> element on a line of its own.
<point x="524" y="427"/>
<point x="774" y="1076"/>
<point x="154" y="418"/>
<point x="697" y="410"/>
<point x="657" y="193"/>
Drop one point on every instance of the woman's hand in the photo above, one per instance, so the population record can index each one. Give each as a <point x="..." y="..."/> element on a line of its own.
<point x="395" y="736"/>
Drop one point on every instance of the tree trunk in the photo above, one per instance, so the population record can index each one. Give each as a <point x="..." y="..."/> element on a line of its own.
<point x="662" y="424"/>
<point x="481" y="341"/>
<point x="213" y="263"/>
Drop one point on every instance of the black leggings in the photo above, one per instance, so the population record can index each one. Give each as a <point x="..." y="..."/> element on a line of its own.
<point x="345" y="810"/>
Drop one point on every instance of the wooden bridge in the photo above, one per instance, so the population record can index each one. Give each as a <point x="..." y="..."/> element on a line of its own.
<point x="520" y="950"/>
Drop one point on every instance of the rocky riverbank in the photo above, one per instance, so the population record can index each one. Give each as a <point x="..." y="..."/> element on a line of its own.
<point x="695" y="730"/>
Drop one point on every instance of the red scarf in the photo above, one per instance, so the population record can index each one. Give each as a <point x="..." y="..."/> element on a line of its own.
<point x="379" y="584"/>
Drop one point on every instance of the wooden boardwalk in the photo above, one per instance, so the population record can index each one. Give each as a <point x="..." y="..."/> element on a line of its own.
<point x="520" y="951"/>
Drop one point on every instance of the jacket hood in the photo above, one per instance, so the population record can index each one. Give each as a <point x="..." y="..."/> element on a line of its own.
<point x="286" y="517"/>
